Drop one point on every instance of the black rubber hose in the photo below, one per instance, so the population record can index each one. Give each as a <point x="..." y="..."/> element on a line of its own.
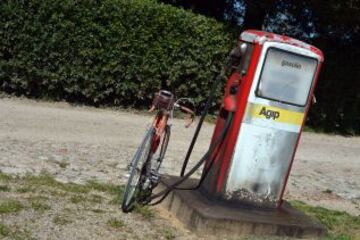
<point x="205" y="171"/>
<point x="201" y="121"/>
<point x="163" y="194"/>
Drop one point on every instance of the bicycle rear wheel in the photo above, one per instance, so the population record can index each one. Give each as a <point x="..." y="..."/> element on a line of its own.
<point x="136" y="170"/>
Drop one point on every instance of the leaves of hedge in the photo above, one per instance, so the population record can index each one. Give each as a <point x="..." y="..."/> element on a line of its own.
<point x="107" y="52"/>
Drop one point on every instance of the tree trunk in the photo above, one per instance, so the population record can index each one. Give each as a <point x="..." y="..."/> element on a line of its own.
<point x="255" y="13"/>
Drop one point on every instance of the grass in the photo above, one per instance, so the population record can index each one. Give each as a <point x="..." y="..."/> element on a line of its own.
<point x="39" y="206"/>
<point x="94" y="198"/>
<point x="61" y="220"/>
<point x="145" y="211"/>
<point x="97" y="210"/>
<point x="14" y="206"/>
<point x="49" y="181"/>
<point x="117" y="199"/>
<point x="4" y="230"/>
<point x="340" y="225"/>
<point x="114" y="190"/>
<point x="116" y="223"/>
<point x="104" y="187"/>
<point x="168" y="234"/>
<point x="56" y="188"/>
<point x="5" y="177"/>
<point x="24" y="189"/>
<point x="63" y="164"/>
<point x="77" y="199"/>
<point x="55" y="193"/>
<point x="22" y="235"/>
<point x="4" y="188"/>
<point x="10" y="206"/>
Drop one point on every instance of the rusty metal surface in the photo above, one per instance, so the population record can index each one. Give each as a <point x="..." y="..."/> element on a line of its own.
<point x="259" y="166"/>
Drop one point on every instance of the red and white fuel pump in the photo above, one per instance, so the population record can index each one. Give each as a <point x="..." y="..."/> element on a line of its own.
<point x="268" y="94"/>
<point x="269" y="90"/>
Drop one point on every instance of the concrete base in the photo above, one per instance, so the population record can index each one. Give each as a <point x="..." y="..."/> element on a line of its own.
<point x="204" y="216"/>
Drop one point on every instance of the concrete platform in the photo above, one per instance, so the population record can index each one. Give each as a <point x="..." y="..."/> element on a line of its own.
<point x="204" y="216"/>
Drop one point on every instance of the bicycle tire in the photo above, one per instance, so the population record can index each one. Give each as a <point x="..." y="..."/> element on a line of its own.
<point x="145" y="193"/>
<point x="164" y="145"/>
<point x="142" y="153"/>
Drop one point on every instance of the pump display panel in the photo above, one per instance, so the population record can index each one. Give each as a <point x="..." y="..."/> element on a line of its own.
<point x="286" y="77"/>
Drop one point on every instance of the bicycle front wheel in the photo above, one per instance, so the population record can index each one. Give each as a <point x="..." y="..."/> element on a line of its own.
<point x="136" y="170"/>
<point x="164" y="144"/>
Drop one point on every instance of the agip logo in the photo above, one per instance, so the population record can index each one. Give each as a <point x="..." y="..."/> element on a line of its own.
<point x="274" y="114"/>
<point x="269" y="114"/>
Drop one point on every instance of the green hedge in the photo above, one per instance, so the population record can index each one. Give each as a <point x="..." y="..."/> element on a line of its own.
<point x="118" y="52"/>
<point x="107" y="51"/>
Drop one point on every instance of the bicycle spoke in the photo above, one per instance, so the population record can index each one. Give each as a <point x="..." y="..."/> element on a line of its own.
<point x="133" y="187"/>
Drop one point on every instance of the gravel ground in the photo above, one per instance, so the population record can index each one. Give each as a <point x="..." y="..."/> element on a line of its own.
<point x="77" y="144"/>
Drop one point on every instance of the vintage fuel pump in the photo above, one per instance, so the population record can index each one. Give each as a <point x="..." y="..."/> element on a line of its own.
<point x="267" y="97"/>
<point x="269" y="90"/>
<point x="268" y="93"/>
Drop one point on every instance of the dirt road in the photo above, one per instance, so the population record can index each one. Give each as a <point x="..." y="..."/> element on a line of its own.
<point x="81" y="143"/>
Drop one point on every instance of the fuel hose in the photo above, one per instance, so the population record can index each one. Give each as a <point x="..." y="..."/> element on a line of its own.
<point x="201" y="121"/>
<point x="219" y="140"/>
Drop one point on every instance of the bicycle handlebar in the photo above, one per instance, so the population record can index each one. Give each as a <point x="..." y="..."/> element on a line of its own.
<point x="164" y="100"/>
<point x="189" y="113"/>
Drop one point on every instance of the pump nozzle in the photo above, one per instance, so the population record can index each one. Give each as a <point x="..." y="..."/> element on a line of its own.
<point x="235" y="56"/>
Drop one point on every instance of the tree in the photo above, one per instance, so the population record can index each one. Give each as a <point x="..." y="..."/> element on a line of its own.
<point x="256" y="12"/>
<point x="333" y="26"/>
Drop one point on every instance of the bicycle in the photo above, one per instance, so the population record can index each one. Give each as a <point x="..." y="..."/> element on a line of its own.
<point x="144" y="168"/>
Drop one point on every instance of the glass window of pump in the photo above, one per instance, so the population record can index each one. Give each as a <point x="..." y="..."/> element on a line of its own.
<point x="286" y="77"/>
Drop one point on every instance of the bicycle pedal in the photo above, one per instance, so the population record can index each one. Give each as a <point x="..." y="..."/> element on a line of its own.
<point x="155" y="176"/>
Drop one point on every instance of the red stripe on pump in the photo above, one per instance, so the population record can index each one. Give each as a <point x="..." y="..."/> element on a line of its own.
<point x="242" y="96"/>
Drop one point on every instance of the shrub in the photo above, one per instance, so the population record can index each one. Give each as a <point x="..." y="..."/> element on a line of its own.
<point x="115" y="52"/>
